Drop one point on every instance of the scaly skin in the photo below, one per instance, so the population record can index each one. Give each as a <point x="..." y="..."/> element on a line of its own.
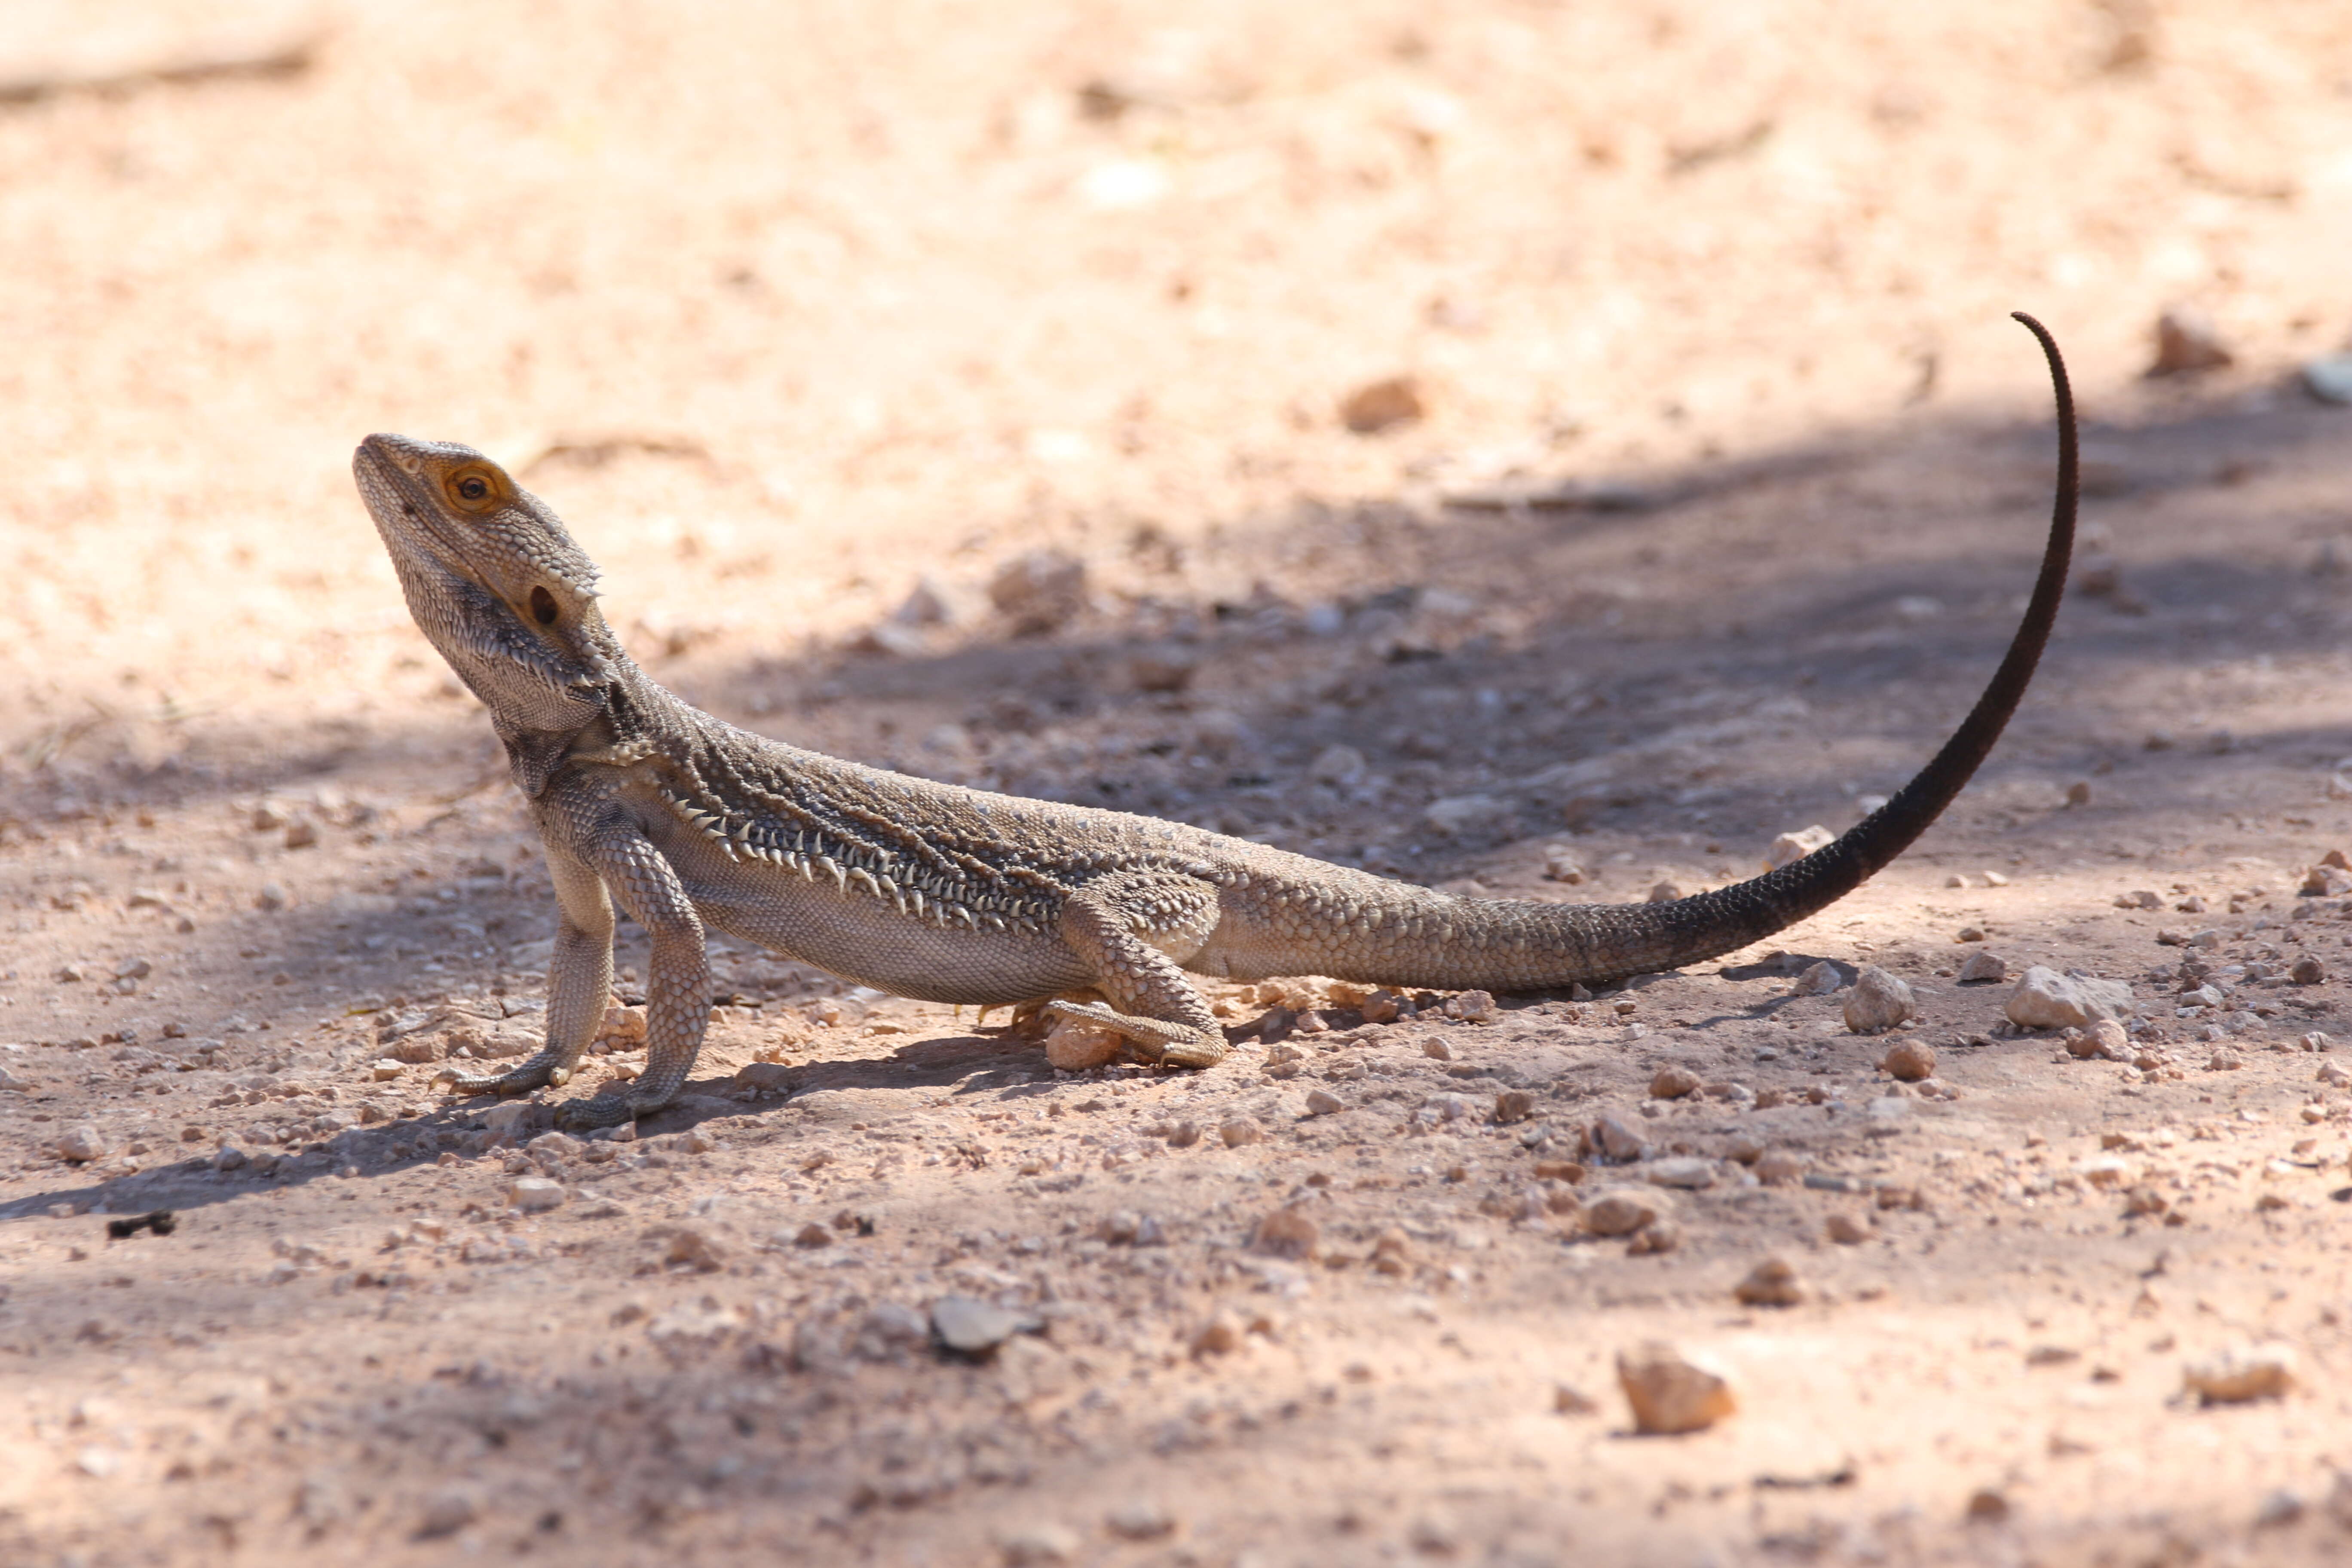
<point x="949" y="894"/>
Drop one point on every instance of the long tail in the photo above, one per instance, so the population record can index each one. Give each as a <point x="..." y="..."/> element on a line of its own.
<point x="1686" y="930"/>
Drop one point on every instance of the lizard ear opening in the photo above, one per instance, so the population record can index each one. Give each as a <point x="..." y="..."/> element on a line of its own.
<point x="543" y="609"/>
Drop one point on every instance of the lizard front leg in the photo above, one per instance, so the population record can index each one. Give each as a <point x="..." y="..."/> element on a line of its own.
<point x="579" y="982"/>
<point x="678" y="985"/>
<point x="1152" y="1004"/>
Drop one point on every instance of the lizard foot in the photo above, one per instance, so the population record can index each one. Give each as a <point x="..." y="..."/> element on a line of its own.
<point x="531" y="1075"/>
<point x="1155" y="1039"/>
<point x="606" y="1111"/>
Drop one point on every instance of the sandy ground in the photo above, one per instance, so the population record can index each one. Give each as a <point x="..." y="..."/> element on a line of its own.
<point x="1723" y="493"/>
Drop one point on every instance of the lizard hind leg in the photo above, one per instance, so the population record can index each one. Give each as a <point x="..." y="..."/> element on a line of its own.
<point x="551" y="1069"/>
<point x="1150" y="1001"/>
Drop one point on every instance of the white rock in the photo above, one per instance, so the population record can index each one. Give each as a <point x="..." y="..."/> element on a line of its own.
<point x="1076" y="1043"/>
<point x="1878" y="1001"/>
<point x="2045" y="999"/>
<point x="1791" y="847"/>
<point x="501" y="1119"/>
<point x="1688" y="1172"/>
<point x="1670" y="1393"/>
<point x="534" y="1194"/>
<point x="387" y="1070"/>
<point x="82" y="1144"/>
<point x="1617" y="1140"/>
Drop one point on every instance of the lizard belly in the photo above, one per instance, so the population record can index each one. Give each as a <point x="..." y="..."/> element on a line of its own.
<point x="864" y="938"/>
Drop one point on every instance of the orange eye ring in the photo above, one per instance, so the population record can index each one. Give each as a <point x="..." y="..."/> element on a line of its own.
<point x="473" y="489"/>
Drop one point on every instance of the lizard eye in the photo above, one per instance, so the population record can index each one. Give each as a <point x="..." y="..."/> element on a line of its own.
<point x="542" y="607"/>
<point x="472" y="488"/>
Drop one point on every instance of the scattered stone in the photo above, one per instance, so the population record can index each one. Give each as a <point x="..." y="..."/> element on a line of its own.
<point x="446" y="1512"/>
<point x="229" y="1157"/>
<point x="687" y="1245"/>
<point x="1685" y="1171"/>
<point x="1772" y="1283"/>
<point x="971" y="1327"/>
<point x="1561" y="865"/>
<point x="83" y="1144"/>
<point x="813" y="1235"/>
<point x="1568" y="1400"/>
<point x="301" y="834"/>
<point x="2045" y="999"/>
<point x="1670" y="1393"/>
<point x="2104" y="1040"/>
<point x="1141" y="1519"/>
<point x="2079" y="793"/>
<point x="534" y="1194"/>
<point x="1665" y="892"/>
<point x="1909" y="1060"/>
<point x="1659" y="1235"/>
<point x="2325" y="882"/>
<point x="1039" y="592"/>
<point x="1778" y="1167"/>
<point x="1878" y="1001"/>
<point x="1513" y="1106"/>
<point x="1222" y="1335"/>
<point x="1474" y="1007"/>
<point x="1987" y="1505"/>
<point x="1040" y="1546"/>
<point x="1793" y="847"/>
<point x="1323" y="1102"/>
<point x="2283" y="1507"/>
<point x="1241" y="1131"/>
<point x="1455" y="814"/>
<point x="1381" y="405"/>
<point x="2186" y="342"/>
<point x="2236" y="1375"/>
<point x="1846" y="1230"/>
<point x="2329" y="379"/>
<point x="1074" y="1044"/>
<point x="1818" y="981"/>
<point x="1673" y="1083"/>
<point x="2143" y="899"/>
<point x="1622" y="1211"/>
<point x="1437" y="1050"/>
<point x="1290" y="1232"/>
<point x="1393" y="1252"/>
<point x="1983" y="965"/>
<point x="1616" y="1140"/>
<point x="2307" y="971"/>
<point x="385" y="1070"/>
<point x="1184" y="1134"/>
<point x="272" y="897"/>
<point x="1337" y="765"/>
<point x="763" y="1077"/>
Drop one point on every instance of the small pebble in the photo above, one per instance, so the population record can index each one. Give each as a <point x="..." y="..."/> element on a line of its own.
<point x="1380" y="404"/>
<point x="1240" y="1132"/>
<point x="1437" y="1050"/>
<point x="1622" y="1212"/>
<point x="1670" y="1393"/>
<point x="1141" y="1519"/>
<point x="83" y="1144"/>
<point x="2329" y="380"/>
<point x="971" y="1327"/>
<point x="1568" y="1400"/>
<point x="1878" y="1001"/>
<point x="1846" y="1230"/>
<point x="1673" y="1083"/>
<point x="1474" y="1007"/>
<point x="1323" y="1102"/>
<point x="1796" y="846"/>
<point x="1772" y="1283"/>
<point x="2186" y="342"/>
<point x="2307" y="971"/>
<point x="1778" y="1167"/>
<point x="446" y="1512"/>
<point x="1289" y="1233"/>
<point x="1665" y="892"/>
<point x="2045" y="999"/>
<point x="1614" y="1139"/>
<point x="1074" y="1044"/>
<point x="1910" y="1061"/>
<point x="1039" y="1546"/>
<point x="1512" y="1106"/>
<point x="2237" y="1375"/>
<point x="1686" y="1171"/>
<point x="1818" y="981"/>
<point x="1982" y="964"/>
<point x="534" y="1194"/>
<point x="2079" y="793"/>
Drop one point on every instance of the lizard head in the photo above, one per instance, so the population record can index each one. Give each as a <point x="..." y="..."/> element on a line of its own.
<point x="493" y="580"/>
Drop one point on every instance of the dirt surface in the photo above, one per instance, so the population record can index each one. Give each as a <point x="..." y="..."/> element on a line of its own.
<point x="1706" y="494"/>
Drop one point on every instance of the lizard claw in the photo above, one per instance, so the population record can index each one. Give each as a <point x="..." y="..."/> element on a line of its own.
<point x="1153" y="1039"/>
